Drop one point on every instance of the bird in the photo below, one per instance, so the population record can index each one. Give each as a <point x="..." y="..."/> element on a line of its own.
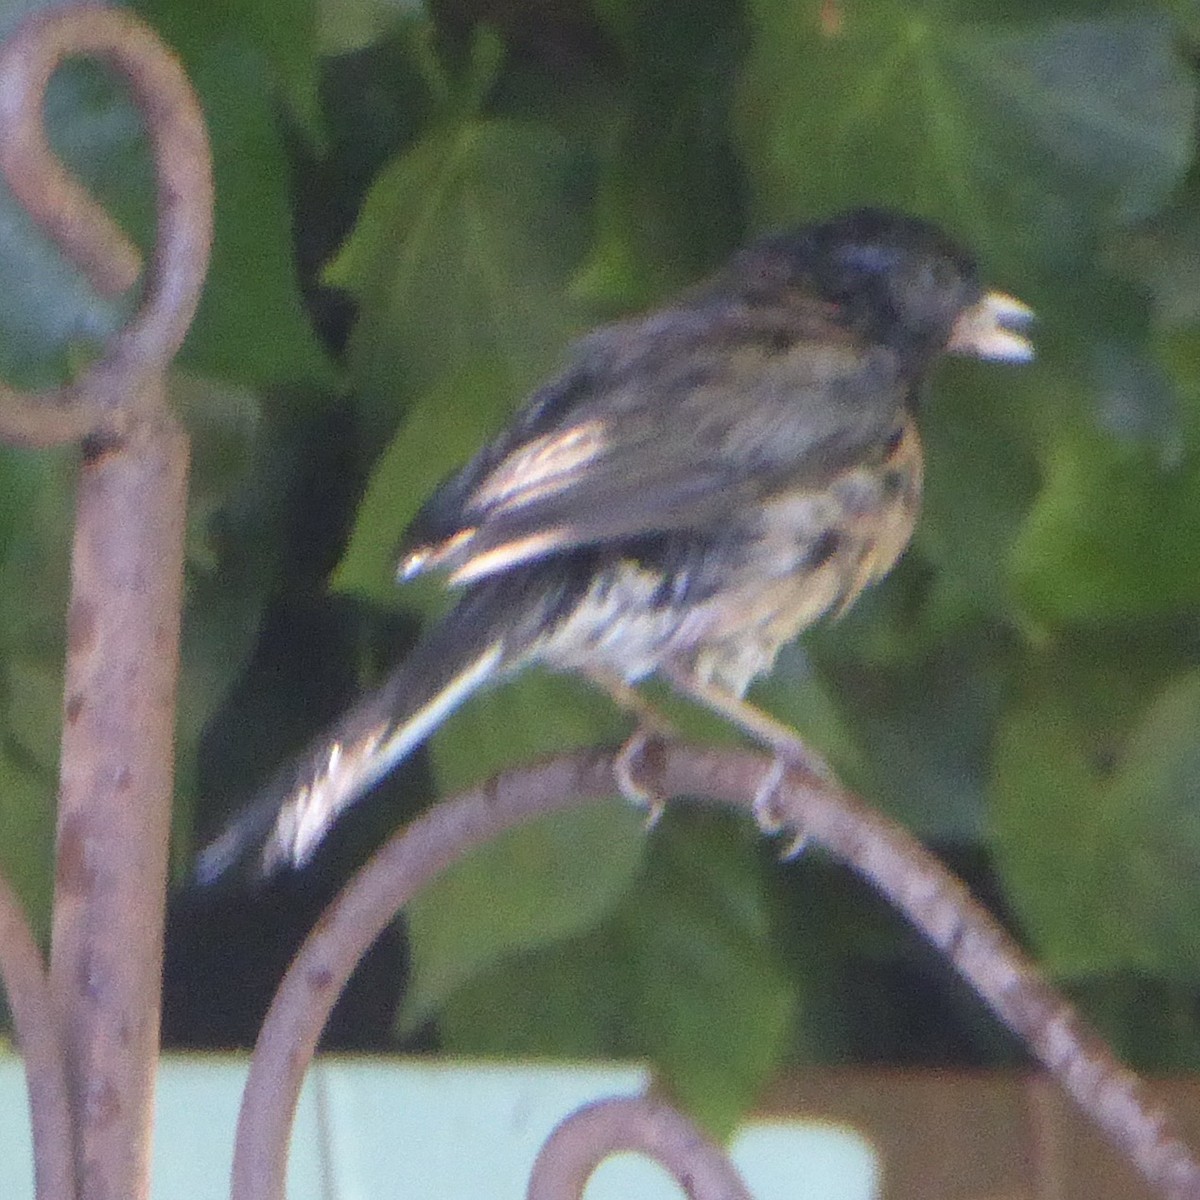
<point x="695" y="487"/>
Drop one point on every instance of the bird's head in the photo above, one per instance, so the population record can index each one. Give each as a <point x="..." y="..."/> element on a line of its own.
<point x="894" y="280"/>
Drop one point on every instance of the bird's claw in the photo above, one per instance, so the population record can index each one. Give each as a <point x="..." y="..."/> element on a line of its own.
<point x="633" y="789"/>
<point x="766" y="807"/>
<point x="766" y="797"/>
<point x="767" y="814"/>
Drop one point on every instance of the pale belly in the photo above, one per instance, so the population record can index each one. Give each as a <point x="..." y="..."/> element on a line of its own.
<point x="804" y="555"/>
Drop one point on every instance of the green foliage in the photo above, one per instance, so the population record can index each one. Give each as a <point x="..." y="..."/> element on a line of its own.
<point x="692" y="978"/>
<point x="1025" y="687"/>
<point x="1118" y="890"/>
<point x="471" y="233"/>
<point x="34" y="548"/>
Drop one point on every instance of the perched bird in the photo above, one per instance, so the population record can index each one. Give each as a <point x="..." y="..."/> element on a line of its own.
<point x="697" y="486"/>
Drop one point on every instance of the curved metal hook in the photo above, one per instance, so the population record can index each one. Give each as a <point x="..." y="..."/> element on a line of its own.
<point x="409" y="861"/>
<point x="585" y="1138"/>
<point x="879" y="850"/>
<point x="107" y="398"/>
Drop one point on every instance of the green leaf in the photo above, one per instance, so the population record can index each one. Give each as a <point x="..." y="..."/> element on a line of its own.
<point x="1100" y="865"/>
<point x="567" y="1000"/>
<point x="714" y="1006"/>
<point x="981" y="478"/>
<point x="798" y="695"/>
<point x="538" y="883"/>
<point x="1111" y="534"/>
<point x="440" y="432"/>
<point x="1155" y="790"/>
<point x="1162" y="256"/>
<point x="684" y="973"/>
<point x="1023" y="137"/>
<point x="462" y="253"/>
<point x="533" y="886"/>
<point x="345" y="26"/>
<point x="1108" y="99"/>
<point x="285" y="31"/>
<point x="251" y="326"/>
<point x="669" y="192"/>
<point x="1047" y="827"/>
<point x="537" y="714"/>
<point x="923" y="726"/>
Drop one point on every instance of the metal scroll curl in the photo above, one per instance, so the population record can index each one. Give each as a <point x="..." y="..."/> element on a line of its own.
<point x="88" y="1026"/>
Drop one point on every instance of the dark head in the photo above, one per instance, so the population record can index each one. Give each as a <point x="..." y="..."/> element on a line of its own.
<point x="893" y="279"/>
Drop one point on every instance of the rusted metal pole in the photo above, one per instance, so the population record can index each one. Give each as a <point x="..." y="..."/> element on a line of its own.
<point x="114" y="799"/>
<point x="126" y="596"/>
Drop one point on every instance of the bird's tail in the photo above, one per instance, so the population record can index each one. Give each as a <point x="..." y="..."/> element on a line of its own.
<point x="474" y="644"/>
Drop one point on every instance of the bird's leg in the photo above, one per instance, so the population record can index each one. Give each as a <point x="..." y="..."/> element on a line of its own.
<point x="790" y="751"/>
<point x="652" y="726"/>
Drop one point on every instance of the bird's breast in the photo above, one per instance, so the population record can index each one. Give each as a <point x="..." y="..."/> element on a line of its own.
<point x="817" y="552"/>
<point x="733" y="597"/>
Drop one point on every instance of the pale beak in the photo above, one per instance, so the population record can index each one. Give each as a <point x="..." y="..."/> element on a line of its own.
<point x="990" y="329"/>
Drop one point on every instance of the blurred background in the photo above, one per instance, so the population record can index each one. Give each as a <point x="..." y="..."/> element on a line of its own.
<point x="418" y="207"/>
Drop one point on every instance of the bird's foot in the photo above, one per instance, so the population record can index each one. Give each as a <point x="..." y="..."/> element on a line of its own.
<point x="652" y="730"/>
<point x="632" y="757"/>
<point x="791" y="755"/>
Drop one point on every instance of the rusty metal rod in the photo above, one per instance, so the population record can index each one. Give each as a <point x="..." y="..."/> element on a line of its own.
<point x="126" y="591"/>
<point x="638" y="1124"/>
<point x="39" y="1040"/>
<point x="114" y="799"/>
<point x="886" y="855"/>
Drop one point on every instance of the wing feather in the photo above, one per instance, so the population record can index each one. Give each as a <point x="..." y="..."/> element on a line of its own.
<point x="752" y="409"/>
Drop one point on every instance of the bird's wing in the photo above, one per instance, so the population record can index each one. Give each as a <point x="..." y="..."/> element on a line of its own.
<point x="642" y="435"/>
